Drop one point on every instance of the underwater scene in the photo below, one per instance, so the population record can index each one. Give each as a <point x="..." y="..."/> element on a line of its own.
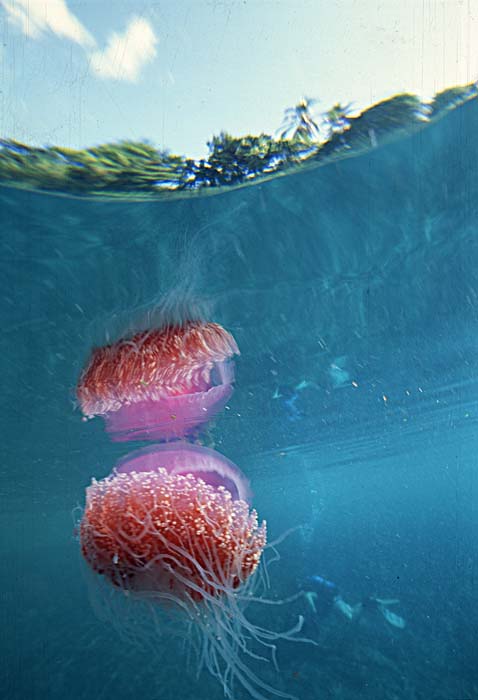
<point x="188" y="354"/>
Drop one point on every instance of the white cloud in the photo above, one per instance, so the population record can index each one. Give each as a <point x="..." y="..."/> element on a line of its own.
<point x="126" y="54"/>
<point x="37" y="16"/>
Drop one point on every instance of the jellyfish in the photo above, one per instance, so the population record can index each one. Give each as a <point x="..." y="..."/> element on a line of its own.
<point x="159" y="384"/>
<point x="170" y="536"/>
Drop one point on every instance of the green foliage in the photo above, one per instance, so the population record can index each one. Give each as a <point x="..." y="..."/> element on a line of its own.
<point x="399" y="113"/>
<point x="234" y="159"/>
<point x="452" y="97"/>
<point x="127" y="166"/>
<point x="336" y="119"/>
<point x="132" y="168"/>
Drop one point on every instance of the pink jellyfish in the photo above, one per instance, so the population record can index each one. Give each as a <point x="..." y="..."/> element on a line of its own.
<point x="171" y="538"/>
<point x="161" y="383"/>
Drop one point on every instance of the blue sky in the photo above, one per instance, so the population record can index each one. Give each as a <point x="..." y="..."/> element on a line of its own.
<point x="79" y="73"/>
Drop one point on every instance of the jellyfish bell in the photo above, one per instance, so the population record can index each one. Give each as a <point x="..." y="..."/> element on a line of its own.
<point x="182" y="458"/>
<point x="167" y="417"/>
<point x="178" y="543"/>
<point x="161" y="383"/>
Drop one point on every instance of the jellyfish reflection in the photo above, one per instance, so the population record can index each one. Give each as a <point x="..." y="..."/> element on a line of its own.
<point x="181" y="543"/>
<point x="161" y="383"/>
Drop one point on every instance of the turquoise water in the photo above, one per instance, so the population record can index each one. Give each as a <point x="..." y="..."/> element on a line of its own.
<point x="358" y="279"/>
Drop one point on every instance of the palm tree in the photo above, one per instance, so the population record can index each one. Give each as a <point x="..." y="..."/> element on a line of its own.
<point x="298" y="123"/>
<point x="336" y="119"/>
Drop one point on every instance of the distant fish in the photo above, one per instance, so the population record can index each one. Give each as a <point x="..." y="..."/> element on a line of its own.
<point x="289" y="395"/>
<point x="338" y="375"/>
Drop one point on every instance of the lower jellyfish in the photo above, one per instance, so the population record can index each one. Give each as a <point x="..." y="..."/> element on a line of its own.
<point x="161" y="383"/>
<point x="174" y="545"/>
